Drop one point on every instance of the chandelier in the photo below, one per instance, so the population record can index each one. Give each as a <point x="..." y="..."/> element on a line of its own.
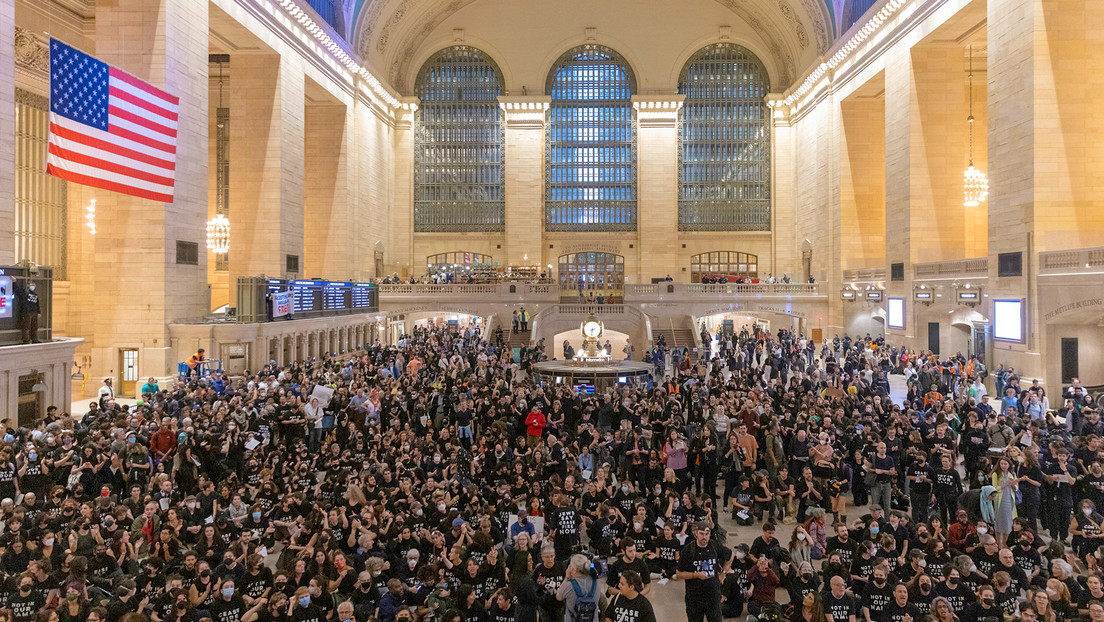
<point x="975" y="183"/>
<point x="218" y="234"/>
<point x="90" y="217"/>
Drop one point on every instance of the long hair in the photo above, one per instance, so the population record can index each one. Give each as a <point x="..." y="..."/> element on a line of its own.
<point x="817" y="611"/>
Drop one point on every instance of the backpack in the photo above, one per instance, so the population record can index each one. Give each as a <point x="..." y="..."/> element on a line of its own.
<point x="586" y="605"/>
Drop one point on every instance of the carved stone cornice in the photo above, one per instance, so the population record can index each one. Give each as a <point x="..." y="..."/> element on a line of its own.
<point x="31" y="51"/>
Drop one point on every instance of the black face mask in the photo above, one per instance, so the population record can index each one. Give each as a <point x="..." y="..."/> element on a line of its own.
<point x="879" y="581"/>
<point x="925" y="587"/>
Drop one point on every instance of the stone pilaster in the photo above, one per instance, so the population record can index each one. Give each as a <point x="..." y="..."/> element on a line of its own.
<point x="7" y="133"/>
<point x="525" y="121"/>
<point x="327" y="227"/>
<point x="657" y="184"/>
<point x="139" y="286"/>
<point x="400" y="256"/>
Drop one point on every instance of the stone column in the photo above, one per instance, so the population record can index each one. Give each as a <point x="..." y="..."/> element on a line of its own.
<point x="266" y="152"/>
<point x="657" y="184"/>
<point x="165" y="43"/>
<point x="400" y="255"/>
<point x="7" y="134"/>
<point x="327" y="226"/>
<point x="525" y="119"/>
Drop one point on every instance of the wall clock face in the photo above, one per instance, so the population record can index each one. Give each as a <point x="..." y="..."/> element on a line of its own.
<point x="592" y="329"/>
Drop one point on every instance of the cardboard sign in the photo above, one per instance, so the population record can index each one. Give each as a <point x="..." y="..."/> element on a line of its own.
<point x="281" y="304"/>
<point x="323" y="393"/>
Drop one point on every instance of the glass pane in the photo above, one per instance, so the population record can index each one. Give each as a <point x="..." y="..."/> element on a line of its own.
<point x="591" y="143"/>
<point x="724" y="147"/>
<point x="459" y="179"/>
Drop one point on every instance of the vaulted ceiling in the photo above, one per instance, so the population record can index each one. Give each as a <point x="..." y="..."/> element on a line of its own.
<point x="394" y="37"/>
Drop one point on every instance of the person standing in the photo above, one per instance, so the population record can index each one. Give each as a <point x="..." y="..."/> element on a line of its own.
<point x="703" y="564"/>
<point x="30" y="312"/>
<point x="629" y="604"/>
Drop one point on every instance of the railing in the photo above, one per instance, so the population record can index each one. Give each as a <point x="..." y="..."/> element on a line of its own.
<point x="863" y="275"/>
<point x="974" y="267"/>
<point x="587" y="309"/>
<point x="1072" y="261"/>
<point x="632" y="291"/>
<point x="457" y="289"/>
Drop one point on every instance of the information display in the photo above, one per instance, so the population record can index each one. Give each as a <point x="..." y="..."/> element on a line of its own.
<point x="363" y="296"/>
<point x="335" y="296"/>
<point x="1008" y="320"/>
<point x="306" y="296"/>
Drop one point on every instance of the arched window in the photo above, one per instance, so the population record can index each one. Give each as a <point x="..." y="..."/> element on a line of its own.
<point x="459" y="181"/>
<point x="729" y="264"/>
<point x="853" y="11"/>
<point x="724" y="142"/>
<point x="598" y="273"/>
<point x="590" y="182"/>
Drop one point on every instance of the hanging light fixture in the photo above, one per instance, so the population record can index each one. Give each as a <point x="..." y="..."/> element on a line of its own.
<point x="975" y="183"/>
<point x="90" y="217"/>
<point x="218" y="228"/>
<point x="218" y="234"/>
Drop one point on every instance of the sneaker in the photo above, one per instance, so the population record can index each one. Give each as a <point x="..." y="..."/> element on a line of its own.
<point x="656" y="575"/>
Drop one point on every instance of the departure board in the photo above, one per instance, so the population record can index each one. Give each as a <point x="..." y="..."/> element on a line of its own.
<point x="363" y="295"/>
<point x="306" y="296"/>
<point x="335" y="296"/>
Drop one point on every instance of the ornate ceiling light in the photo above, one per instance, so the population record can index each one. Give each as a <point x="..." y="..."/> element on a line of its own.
<point x="975" y="183"/>
<point x="218" y="234"/>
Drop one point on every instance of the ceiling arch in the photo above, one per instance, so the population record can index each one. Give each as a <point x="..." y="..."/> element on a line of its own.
<point x="390" y="34"/>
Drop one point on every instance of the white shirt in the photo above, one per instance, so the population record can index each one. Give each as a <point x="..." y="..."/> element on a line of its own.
<point x="106" y="392"/>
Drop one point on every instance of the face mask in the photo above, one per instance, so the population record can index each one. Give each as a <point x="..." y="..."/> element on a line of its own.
<point x="874" y="550"/>
<point x="638" y="526"/>
<point x="376" y="573"/>
<point x="440" y="507"/>
<point x="279" y="585"/>
<point x="879" y="581"/>
<point x="624" y="489"/>
<point x="1087" y="512"/>
<point x="988" y="602"/>
<point x="227" y="592"/>
<point x="48" y="542"/>
<point x="740" y="555"/>
<point x="256" y="516"/>
<point x="104" y="493"/>
<point x="418" y="512"/>
<point x="1051" y="592"/>
<point x="806" y="576"/>
<point x="304" y="601"/>
<point x="983" y="530"/>
<point x="24" y="588"/>
<point x="952" y="581"/>
<point x="800" y="536"/>
<point x="925" y="587"/>
<point x="71" y="597"/>
<point x="412" y="562"/>
<point x="874" y="530"/>
<point x="32" y="457"/>
<point x="191" y="505"/>
<point x="922" y="563"/>
<point x="132" y="440"/>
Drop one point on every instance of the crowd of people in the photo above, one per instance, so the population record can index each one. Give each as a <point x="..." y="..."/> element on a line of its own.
<point x="435" y="481"/>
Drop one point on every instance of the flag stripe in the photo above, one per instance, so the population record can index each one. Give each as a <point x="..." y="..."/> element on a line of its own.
<point x="119" y="127"/>
<point x="148" y="88"/>
<point x="123" y="98"/>
<point x="96" y="182"/>
<point x="115" y="167"/>
<point x="117" y="178"/>
<point x="60" y="127"/>
<point x="126" y="115"/>
<point x="74" y="146"/>
<point x="143" y="95"/>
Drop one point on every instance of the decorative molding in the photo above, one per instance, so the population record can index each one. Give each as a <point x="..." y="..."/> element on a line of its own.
<point x="31" y="51"/>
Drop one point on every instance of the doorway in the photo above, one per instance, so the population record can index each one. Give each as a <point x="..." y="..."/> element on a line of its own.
<point x="128" y="372"/>
<point x="1069" y="359"/>
<point x="933" y="337"/>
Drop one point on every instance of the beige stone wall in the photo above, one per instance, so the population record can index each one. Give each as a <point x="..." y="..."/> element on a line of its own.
<point x="327" y="236"/>
<point x="862" y="180"/>
<point x="7" y="129"/>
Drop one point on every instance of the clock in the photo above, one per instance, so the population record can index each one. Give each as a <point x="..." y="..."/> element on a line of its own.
<point x="592" y="328"/>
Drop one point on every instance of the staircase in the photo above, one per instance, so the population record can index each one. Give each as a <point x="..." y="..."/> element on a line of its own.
<point x="676" y="334"/>
<point x="519" y="340"/>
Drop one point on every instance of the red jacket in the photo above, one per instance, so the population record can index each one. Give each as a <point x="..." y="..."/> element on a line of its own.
<point x="535" y="423"/>
<point x="957" y="533"/>
<point x="163" y="442"/>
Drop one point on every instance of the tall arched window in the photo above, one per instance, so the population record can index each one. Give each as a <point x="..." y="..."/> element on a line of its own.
<point x="724" y="143"/>
<point x="590" y="182"/>
<point x="853" y="11"/>
<point x="459" y="181"/>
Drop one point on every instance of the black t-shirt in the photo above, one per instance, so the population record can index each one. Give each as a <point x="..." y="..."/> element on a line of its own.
<point x="978" y="613"/>
<point x="960" y="596"/>
<point x="228" y="611"/>
<point x="710" y="558"/>
<point x="619" y="566"/>
<point x="668" y="549"/>
<point x="846" y="550"/>
<point x="760" y="547"/>
<point x="549" y="578"/>
<point x="501" y="615"/>
<point x="638" y="609"/>
<point x="896" y="613"/>
<point x="841" y="608"/>
<point x="310" y="613"/>
<point x="565" y="521"/>
<point x="255" y="585"/>
<point x="921" y="486"/>
<point x="876" y="599"/>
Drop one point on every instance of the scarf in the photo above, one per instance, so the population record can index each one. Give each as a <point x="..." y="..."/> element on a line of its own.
<point x="988" y="512"/>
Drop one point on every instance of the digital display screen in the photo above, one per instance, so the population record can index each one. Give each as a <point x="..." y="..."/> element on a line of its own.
<point x="335" y="296"/>
<point x="896" y="313"/>
<point x="923" y="295"/>
<point x="967" y="295"/>
<point x="306" y="296"/>
<point x="363" y="295"/>
<point x="873" y="295"/>
<point x="1008" y="322"/>
<point x="585" y="388"/>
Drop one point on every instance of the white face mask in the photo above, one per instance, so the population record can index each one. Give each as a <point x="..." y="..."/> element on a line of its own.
<point x="638" y="526"/>
<point x="800" y="536"/>
<point x="1087" y="511"/>
<point x="440" y="507"/>
<point x="983" y="530"/>
<point x="412" y="562"/>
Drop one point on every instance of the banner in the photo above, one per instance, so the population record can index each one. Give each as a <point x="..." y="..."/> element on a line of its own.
<point x="7" y="297"/>
<point x="281" y="304"/>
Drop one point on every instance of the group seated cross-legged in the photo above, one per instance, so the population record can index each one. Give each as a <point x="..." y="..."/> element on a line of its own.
<point x="763" y="475"/>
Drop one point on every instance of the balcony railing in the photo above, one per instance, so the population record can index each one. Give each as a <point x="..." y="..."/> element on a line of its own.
<point x="1072" y="261"/>
<point x="976" y="267"/>
<point x="700" y="291"/>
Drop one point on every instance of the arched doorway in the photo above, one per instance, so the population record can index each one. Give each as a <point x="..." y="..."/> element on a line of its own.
<point x="460" y="263"/>
<point x="592" y="273"/>
<point x="731" y="265"/>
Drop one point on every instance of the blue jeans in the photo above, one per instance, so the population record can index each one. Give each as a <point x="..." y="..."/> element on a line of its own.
<point x="464" y="431"/>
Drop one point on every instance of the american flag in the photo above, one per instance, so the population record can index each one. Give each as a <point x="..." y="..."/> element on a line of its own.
<point x="109" y="129"/>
